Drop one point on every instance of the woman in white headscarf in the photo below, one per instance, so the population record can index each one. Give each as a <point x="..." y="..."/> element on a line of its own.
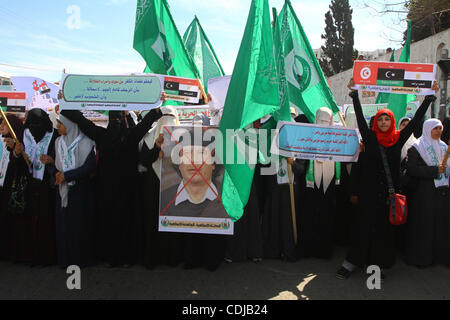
<point x="317" y="225"/>
<point x="75" y="210"/>
<point x="429" y="217"/>
<point x="159" y="248"/>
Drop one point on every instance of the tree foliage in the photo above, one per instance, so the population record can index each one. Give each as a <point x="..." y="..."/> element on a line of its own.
<point x="339" y="38"/>
<point x="428" y="17"/>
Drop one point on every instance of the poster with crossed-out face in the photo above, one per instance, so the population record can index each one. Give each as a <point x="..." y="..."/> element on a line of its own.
<point x="191" y="181"/>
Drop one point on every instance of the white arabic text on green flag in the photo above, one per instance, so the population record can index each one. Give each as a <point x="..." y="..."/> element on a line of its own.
<point x="253" y="93"/>
<point x="307" y="86"/>
<point x="158" y="41"/>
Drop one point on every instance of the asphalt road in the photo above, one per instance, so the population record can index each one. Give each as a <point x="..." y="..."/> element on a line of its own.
<point x="270" y="279"/>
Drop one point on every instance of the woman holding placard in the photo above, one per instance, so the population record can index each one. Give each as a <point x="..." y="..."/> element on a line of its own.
<point x="373" y="240"/>
<point x="120" y="219"/>
<point x="429" y="219"/>
<point x="317" y="218"/>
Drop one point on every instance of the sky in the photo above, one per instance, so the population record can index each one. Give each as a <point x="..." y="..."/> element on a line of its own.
<point x="41" y="38"/>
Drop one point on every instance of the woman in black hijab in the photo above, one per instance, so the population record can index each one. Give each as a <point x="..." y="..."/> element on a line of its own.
<point x="39" y="144"/>
<point x="120" y="222"/>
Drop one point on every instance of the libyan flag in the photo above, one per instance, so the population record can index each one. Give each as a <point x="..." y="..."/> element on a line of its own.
<point x="253" y="93"/>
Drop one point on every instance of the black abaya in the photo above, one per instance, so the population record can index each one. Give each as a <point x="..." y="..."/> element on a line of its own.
<point x="75" y="223"/>
<point x="120" y="219"/>
<point x="373" y="240"/>
<point x="428" y="217"/>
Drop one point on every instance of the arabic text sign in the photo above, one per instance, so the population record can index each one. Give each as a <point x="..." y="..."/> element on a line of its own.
<point x="316" y="142"/>
<point x="187" y="113"/>
<point x="89" y="92"/>
<point x="182" y="89"/>
<point x="394" y="77"/>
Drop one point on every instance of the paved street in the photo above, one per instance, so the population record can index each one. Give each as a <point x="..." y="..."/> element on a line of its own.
<point x="270" y="279"/>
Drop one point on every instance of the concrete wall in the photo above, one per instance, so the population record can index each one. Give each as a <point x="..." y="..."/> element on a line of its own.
<point x="424" y="51"/>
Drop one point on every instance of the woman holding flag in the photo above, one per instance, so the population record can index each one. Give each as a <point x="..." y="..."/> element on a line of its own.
<point x="13" y="221"/>
<point x="373" y="241"/>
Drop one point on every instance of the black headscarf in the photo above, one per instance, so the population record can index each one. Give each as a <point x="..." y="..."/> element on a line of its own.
<point x="116" y="125"/>
<point x="38" y="122"/>
<point x="16" y="125"/>
<point x="301" y="119"/>
<point x="446" y="132"/>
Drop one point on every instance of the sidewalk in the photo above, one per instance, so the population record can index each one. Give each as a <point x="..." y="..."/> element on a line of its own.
<point x="271" y="279"/>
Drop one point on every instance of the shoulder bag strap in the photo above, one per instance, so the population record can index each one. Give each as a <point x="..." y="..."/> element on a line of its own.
<point x="387" y="170"/>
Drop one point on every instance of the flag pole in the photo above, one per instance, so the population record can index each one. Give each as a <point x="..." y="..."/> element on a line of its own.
<point x="342" y="118"/>
<point x="202" y="89"/>
<point x="11" y="131"/>
<point x="444" y="163"/>
<point x="291" y="189"/>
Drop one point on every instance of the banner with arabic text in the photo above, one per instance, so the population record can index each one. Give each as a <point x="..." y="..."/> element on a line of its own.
<point x="316" y="142"/>
<point x="109" y="92"/>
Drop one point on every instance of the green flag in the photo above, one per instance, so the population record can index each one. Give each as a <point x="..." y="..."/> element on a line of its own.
<point x="280" y="31"/>
<point x="399" y="102"/>
<point x="202" y="53"/>
<point x="253" y="93"/>
<point x="158" y="41"/>
<point x="382" y="96"/>
<point x="280" y="34"/>
<point x="308" y="88"/>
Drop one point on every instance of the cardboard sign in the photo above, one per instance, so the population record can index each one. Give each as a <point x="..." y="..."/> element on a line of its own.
<point x="191" y="181"/>
<point x="187" y="113"/>
<point x="394" y="77"/>
<point x="182" y="89"/>
<point x="316" y="142"/>
<point x="132" y="93"/>
<point x="40" y="93"/>
<point x="14" y="101"/>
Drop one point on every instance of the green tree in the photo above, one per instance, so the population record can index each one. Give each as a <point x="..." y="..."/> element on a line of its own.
<point x="428" y="17"/>
<point x="339" y="38"/>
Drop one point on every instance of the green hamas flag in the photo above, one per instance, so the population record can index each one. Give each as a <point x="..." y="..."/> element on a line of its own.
<point x="157" y="39"/>
<point x="382" y="96"/>
<point x="283" y="113"/>
<point x="202" y="53"/>
<point x="307" y="86"/>
<point x="253" y="93"/>
<point x="280" y="34"/>
<point x="398" y="102"/>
